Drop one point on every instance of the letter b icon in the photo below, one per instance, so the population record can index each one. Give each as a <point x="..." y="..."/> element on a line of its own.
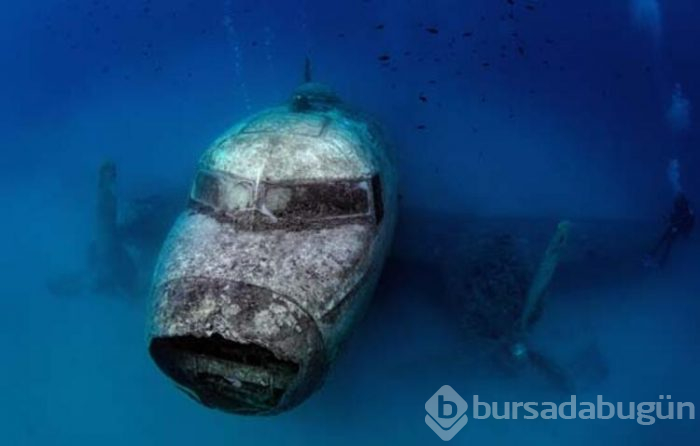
<point x="441" y="408"/>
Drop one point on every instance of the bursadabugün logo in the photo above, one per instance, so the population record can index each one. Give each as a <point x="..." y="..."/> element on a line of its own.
<point x="447" y="411"/>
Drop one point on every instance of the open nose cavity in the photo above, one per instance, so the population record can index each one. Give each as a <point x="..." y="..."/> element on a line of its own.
<point x="236" y="347"/>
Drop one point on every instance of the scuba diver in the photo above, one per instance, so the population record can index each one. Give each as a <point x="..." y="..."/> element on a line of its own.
<point x="680" y="223"/>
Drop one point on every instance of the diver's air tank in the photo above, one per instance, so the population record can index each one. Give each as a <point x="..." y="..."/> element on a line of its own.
<point x="289" y="222"/>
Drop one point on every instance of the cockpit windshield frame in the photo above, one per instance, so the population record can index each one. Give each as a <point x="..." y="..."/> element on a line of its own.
<point x="259" y="205"/>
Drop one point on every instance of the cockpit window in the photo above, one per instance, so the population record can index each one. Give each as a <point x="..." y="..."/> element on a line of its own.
<point x="206" y="190"/>
<point x="264" y="204"/>
<point x="319" y="200"/>
<point x="222" y="192"/>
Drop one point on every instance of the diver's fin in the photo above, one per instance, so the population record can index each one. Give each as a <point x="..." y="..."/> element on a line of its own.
<point x="545" y="272"/>
<point x="307" y="70"/>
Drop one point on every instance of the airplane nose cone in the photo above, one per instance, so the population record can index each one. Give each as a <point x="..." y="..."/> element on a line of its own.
<point x="236" y="347"/>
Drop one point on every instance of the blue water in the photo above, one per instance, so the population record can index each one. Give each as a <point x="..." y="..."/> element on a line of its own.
<point x="557" y="109"/>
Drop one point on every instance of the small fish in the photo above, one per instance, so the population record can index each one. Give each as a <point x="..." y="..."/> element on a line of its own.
<point x="384" y="58"/>
<point x="467" y="34"/>
<point x="530" y="7"/>
<point x="420" y="127"/>
<point x="423" y="98"/>
<point x="432" y="30"/>
<point x="379" y="27"/>
<point x="521" y="50"/>
<point x="485" y="64"/>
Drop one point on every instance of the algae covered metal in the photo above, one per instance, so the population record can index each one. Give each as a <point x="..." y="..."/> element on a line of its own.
<point x="289" y="222"/>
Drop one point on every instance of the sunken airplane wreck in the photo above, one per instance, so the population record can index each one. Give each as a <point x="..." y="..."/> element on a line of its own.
<point x="290" y="218"/>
